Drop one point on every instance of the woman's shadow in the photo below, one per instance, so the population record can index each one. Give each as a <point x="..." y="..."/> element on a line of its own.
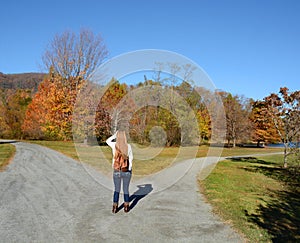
<point x="143" y="190"/>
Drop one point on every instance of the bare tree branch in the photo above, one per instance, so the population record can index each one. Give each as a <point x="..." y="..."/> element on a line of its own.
<point x="72" y="55"/>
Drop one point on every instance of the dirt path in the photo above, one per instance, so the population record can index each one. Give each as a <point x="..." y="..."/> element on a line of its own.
<point x="48" y="197"/>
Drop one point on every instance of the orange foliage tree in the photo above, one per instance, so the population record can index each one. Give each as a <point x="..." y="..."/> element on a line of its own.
<point x="49" y="116"/>
<point x="13" y="105"/>
<point x="114" y="110"/>
<point x="263" y="129"/>
<point x="284" y="111"/>
<point x="71" y="59"/>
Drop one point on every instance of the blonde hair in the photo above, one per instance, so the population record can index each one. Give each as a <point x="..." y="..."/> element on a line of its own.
<point x="121" y="145"/>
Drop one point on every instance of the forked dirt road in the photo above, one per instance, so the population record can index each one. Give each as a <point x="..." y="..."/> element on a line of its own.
<point x="48" y="197"/>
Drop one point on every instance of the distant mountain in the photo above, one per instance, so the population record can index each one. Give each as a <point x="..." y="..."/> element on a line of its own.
<point x="21" y="80"/>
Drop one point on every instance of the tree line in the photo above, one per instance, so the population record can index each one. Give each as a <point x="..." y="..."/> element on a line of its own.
<point x="21" y="81"/>
<point x="48" y="112"/>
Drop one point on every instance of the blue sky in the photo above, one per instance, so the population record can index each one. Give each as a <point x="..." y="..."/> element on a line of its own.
<point x="247" y="47"/>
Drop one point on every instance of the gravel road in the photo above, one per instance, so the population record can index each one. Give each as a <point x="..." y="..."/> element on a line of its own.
<point x="48" y="197"/>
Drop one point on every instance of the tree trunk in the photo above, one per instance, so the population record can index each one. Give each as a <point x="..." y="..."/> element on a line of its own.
<point x="115" y="126"/>
<point x="285" y="155"/>
<point x="86" y="134"/>
<point x="258" y="144"/>
<point x="234" y="143"/>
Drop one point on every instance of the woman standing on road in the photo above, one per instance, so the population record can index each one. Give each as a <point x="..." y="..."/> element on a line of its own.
<point x="122" y="165"/>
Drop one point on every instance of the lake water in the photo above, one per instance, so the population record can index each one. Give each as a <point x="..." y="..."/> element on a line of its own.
<point x="281" y="145"/>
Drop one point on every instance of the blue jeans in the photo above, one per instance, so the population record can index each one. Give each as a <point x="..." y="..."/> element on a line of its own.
<point x="119" y="176"/>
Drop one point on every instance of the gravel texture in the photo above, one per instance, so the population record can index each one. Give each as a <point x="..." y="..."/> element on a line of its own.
<point x="48" y="197"/>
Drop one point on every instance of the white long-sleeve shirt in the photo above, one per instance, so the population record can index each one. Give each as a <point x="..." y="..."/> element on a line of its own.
<point x="113" y="147"/>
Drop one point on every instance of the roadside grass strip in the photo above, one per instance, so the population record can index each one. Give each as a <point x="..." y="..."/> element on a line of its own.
<point x="259" y="198"/>
<point x="7" y="152"/>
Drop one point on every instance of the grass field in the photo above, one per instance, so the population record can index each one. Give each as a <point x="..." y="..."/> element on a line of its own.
<point x="100" y="157"/>
<point x="7" y="151"/>
<point x="259" y="198"/>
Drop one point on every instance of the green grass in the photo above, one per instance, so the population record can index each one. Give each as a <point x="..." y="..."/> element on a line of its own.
<point x="245" y="151"/>
<point x="7" y="152"/>
<point x="100" y="156"/>
<point x="66" y="148"/>
<point x="258" y="197"/>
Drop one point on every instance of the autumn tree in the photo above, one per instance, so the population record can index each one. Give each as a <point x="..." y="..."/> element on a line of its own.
<point x="204" y="122"/>
<point x="146" y="116"/>
<point x="35" y="116"/>
<point x="262" y="127"/>
<point x="169" y="107"/>
<point x="4" y="127"/>
<point x="179" y="100"/>
<point x="284" y="111"/>
<point x="49" y="115"/>
<point x="13" y="105"/>
<point x="113" y="111"/>
<point x="85" y="114"/>
<point x="109" y="100"/>
<point x="70" y="59"/>
<point x="237" y="112"/>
